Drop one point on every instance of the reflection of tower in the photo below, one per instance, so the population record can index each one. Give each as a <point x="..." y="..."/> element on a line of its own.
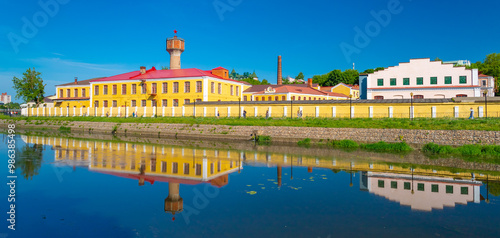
<point x="309" y="169"/>
<point x="175" y="47"/>
<point x="173" y="203"/>
<point x="279" y="176"/>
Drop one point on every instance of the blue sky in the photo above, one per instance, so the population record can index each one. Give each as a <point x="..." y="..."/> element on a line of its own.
<point x="86" y="39"/>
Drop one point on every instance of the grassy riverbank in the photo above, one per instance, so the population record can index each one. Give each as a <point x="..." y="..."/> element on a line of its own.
<point x="491" y="124"/>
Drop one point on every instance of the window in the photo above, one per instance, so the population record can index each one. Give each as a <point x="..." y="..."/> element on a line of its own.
<point x="61" y="92"/>
<point x="96" y="90"/>
<point x="232" y="93"/>
<point x="420" y="186"/>
<point x="165" y="87"/>
<point x="463" y="79"/>
<point x="449" y="189"/>
<point x="114" y="104"/>
<point x="212" y="87"/>
<point x="263" y="99"/>
<point x="394" y="184"/>
<point x="175" y="168"/>
<point x="134" y="88"/>
<point x="105" y="90"/>
<point x="393" y="82"/>
<point x="164" y="102"/>
<point x="76" y="93"/>
<point x="237" y="91"/>
<point x="187" y="87"/>
<point x="218" y="166"/>
<point x="293" y="98"/>
<point x="244" y="98"/>
<point x="434" y="80"/>
<point x="163" y="167"/>
<point x="198" y="100"/>
<point x="143" y="103"/>
<point x="406" y="81"/>
<point x="96" y="103"/>
<point x="84" y="92"/>
<point x="447" y="80"/>
<point x="186" y="168"/>
<point x="153" y="88"/>
<point x="144" y="88"/>
<point x="418" y="96"/>
<point x="175" y="103"/>
<point x="198" y="169"/>
<point x="276" y="98"/>
<point x="380" y="82"/>
<point x="114" y="89"/>
<point x="219" y="88"/>
<point x="420" y="81"/>
<point x="134" y="103"/>
<point x="269" y="98"/>
<point x="378" y="97"/>
<point x="211" y="168"/>
<point x="461" y="95"/>
<point x="198" y="87"/>
<point x="68" y="93"/>
<point x="105" y="103"/>
<point x="153" y="103"/>
<point x="483" y="82"/>
<point x="176" y="87"/>
<point x="381" y="183"/>
<point x="283" y="98"/>
<point x="186" y="101"/>
<point x="407" y="186"/>
<point x="124" y="89"/>
<point x="464" y="190"/>
<point x="434" y="188"/>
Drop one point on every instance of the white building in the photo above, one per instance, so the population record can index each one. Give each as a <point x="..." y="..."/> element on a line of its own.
<point x="422" y="77"/>
<point x="5" y="98"/>
<point x="487" y="84"/>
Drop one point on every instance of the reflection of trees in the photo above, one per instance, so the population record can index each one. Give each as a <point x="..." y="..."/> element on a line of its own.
<point x="494" y="189"/>
<point x="29" y="159"/>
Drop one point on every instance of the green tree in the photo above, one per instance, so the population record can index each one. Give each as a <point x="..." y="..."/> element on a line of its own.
<point x="285" y="80"/>
<point x="264" y="82"/>
<point x="379" y="68"/>
<point x="164" y="67"/>
<point x="333" y="78"/>
<point x="300" y="76"/>
<point x="319" y="79"/>
<point x="233" y="74"/>
<point x="491" y="67"/>
<point x="351" y="76"/>
<point x="438" y="59"/>
<point x="29" y="160"/>
<point x="30" y="87"/>
<point x="10" y="105"/>
<point x="368" y="71"/>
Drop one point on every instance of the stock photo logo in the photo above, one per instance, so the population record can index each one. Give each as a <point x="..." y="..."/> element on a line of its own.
<point x="30" y="26"/>
<point x="363" y="36"/>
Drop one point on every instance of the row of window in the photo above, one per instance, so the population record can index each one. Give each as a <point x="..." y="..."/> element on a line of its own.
<point x="144" y="103"/>
<point x="75" y="93"/>
<point x="283" y="98"/>
<point x="421" y="187"/>
<point x="420" y="81"/>
<point x="187" y="88"/>
<point x="421" y="96"/>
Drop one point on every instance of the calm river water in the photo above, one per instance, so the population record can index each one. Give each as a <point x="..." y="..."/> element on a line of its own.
<point x="84" y="188"/>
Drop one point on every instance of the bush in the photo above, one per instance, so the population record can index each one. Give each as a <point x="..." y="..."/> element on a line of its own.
<point x="263" y="140"/>
<point x="305" y="142"/>
<point x="345" y="144"/>
<point x="387" y="147"/>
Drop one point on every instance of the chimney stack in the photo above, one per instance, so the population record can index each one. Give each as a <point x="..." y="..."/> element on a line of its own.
<point x="280" y="80"/>
<point x="143" y="69"/>
<point x="310" y="82"/>
<point x="76" y="80"/>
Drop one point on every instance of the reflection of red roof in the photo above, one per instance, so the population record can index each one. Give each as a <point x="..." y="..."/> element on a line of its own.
<point x="161" y="74"/>
<point x="219" y="181"/>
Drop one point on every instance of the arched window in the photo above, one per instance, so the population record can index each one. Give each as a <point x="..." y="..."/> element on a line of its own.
<point x="378" y="97"/>
<point x="418" y="97"/>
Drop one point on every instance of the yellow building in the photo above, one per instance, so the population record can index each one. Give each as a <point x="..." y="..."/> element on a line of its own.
<point x="345" y="89"/>
<point x="75" y="94"/>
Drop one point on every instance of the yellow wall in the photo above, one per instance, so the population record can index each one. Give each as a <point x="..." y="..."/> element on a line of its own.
<point x="72" y="103"/>
<point x="346" y="91"/>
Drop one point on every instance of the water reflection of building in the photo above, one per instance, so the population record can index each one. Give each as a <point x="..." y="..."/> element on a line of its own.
<point x="421" y="192"/>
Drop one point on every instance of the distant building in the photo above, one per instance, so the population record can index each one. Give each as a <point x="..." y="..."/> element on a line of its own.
<point x="487" y="84"/>
<point x="458" y="62"/>
<point x="47" y="102"/>
<point x="345" y="89"/>
<point x="422" y="77"/>
<point x="5" y="98"/>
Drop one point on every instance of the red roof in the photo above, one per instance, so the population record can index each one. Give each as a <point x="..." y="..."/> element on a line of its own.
<point x="484" y="76"/>
<point x="291" y="88"/>
<point x="219" y="68"/>
<point x="167" y="73"/>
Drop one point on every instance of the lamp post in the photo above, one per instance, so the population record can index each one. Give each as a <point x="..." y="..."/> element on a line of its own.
<point x="350" y="106"/>
<point x="411" y="106"/>
<point x="485" y="93"/>
<point x="67" y="110"/>
<point x="239" y="107"/>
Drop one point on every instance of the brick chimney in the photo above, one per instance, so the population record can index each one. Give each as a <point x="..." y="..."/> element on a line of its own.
<point x="143" y="69"/>
<point x="280" y="80"/>
<point x="310" y="82"/>
<point x="76" y="80"/>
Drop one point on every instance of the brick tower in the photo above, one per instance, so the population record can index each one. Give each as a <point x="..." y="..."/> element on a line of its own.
<point x="175" y="47"/>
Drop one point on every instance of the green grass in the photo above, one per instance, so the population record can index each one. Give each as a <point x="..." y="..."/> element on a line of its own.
<point x="64" y="129"/>
<point x="344" y="144"/>
<point x="263" y="140"/>
<point x="490" y="124"/>
<point x="387" y="147"/>
<point x="468" y="152"/>
<point x="305" y="142"/>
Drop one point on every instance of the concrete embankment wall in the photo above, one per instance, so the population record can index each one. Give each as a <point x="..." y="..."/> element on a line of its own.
<point x="286" y="135"/>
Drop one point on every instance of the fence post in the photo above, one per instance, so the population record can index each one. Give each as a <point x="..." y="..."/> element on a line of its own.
<point x="154" y="111"/>
<point x="173" y="111"/>
<point x="102" y="114"/>
<point x="433" y="112"/>
<point x="334" y="112"/>
<point x="270" y="112"/>
<point x="370" y="111"/>
<point x="81" y="111"/>
<point x="126" y="112"/>
<point x="228" y="111"/>
<point x="145" y="112"/>
<point x="216" y="109"/>
<point x="317" y="111"/>
<point x="50" y="111"/>
<point x="412" y="113"/>
<point x="204" y="111"/>
<point x="183" y="111"/>
<point x="352" y="112"/>
<point x="163" y="111"/>
<point x="391" y="112"/>
<point x="480" y="112"/>
<point x="255" y="111"/>
<point x="455" y="109"/>
<point x="284" y="111"/>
